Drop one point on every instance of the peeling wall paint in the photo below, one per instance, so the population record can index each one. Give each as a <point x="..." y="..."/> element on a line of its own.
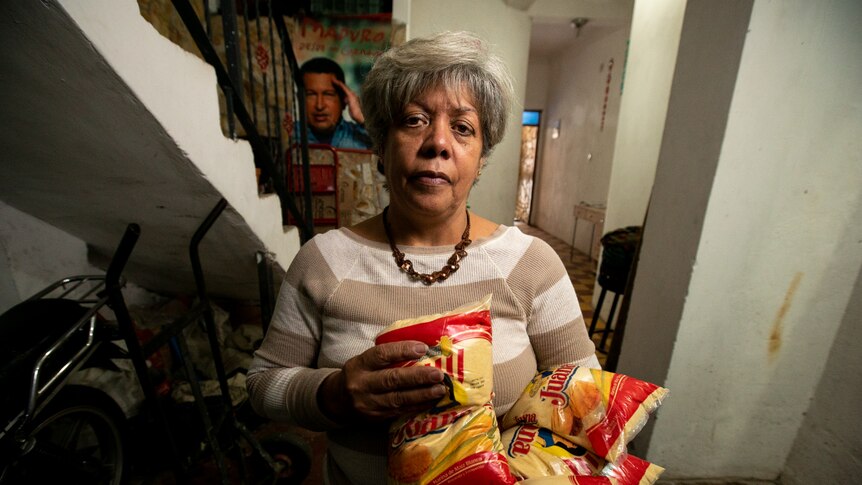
<point x="775" y="336"/>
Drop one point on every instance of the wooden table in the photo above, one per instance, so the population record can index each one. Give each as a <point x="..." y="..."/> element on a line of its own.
<point x="594" y="215"/>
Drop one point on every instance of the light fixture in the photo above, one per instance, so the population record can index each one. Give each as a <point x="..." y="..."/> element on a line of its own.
<point x="577" y="23"/>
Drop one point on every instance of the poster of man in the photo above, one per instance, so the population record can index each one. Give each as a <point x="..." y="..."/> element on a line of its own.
<point x="326" y="97"/>
<point x="334" y="54"/>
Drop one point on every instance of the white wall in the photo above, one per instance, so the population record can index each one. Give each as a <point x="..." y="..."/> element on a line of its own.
<point x="772" y="257"/>
<point x="577" y="166"/>
<point x="653" y="44"/>
<point x="33" y="255"/>
<point x="538" y="74"/>
<point x="508" y="32"/>
<point x="538" y="78"/>
<point x="828" y="447"/>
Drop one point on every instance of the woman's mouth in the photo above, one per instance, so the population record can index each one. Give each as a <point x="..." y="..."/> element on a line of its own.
<point x="429" y="177"/>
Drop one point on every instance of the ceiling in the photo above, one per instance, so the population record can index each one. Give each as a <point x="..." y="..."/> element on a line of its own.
<point x="553" y="20"/>
<point x="547" y="38"/>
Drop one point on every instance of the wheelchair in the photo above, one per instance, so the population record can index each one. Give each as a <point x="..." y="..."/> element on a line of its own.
<point x="52" y="429"/>
<point x="56" y="430"/>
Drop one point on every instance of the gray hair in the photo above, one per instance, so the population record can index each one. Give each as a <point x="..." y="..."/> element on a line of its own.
<point x="451" y="60"/>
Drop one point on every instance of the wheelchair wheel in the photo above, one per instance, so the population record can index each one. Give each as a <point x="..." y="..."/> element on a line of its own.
<point x="77" y="439"/>
<point x="292" y="456"/>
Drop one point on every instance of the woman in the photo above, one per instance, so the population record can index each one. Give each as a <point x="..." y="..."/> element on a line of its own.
<point x="434" y="108"/>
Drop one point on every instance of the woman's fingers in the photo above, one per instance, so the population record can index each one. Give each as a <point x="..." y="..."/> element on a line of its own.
<point x="372" y="371"/>
<point x="378" y="390"/>
<point x="395" y="403"/>
<point x="384" y="355"/>
<point x="387" y="380"/>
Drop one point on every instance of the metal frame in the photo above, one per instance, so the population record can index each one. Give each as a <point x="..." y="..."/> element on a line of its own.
<point x="39" y="393"/>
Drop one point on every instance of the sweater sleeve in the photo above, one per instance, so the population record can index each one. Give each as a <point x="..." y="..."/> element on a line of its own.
<point x="556" y="325"/>
<point x="283" y="379"/>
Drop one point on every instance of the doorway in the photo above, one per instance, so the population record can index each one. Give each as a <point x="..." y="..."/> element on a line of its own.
<point x="530" y="122"/>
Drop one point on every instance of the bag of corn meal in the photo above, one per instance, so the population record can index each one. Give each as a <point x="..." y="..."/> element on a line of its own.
<point x="458" y="440"/>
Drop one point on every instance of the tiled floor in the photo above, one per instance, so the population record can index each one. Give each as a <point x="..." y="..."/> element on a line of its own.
<point x="582" y="271"/>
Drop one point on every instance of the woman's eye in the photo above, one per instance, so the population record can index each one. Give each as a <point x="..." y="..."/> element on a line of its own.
<point x="413" y="120"/>
<point x="463" y="129"/>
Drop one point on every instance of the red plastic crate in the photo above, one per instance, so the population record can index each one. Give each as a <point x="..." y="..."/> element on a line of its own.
<point x="322" y="178"/>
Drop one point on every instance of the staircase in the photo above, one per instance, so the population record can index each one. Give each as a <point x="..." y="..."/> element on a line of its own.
<point x="106" y="122"/>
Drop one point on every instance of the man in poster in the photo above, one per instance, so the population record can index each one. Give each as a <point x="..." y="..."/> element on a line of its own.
<point x="326" y="95"/>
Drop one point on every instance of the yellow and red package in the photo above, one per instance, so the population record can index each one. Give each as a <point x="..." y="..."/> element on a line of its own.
<point x="566" y="480"/>
<point x="628" y="402"/>
<point x="630" y="471"/>
<point x="460" y="446"/>
<point x="538" y="452"/>
<point x="457" y="441"/>
<point x="538" y="455"/>
<point x="567" y="401"/>
<point x="598" y="410"/>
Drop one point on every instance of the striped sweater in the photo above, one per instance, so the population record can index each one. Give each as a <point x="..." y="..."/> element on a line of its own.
<point x="341" y="290"/>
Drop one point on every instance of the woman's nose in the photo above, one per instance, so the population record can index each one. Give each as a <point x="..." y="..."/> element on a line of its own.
<point x="438" y="143"/>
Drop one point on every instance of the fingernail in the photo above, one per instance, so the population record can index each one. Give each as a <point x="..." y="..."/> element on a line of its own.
<point x="420" y="348"/>
<point x="440" y="390"/>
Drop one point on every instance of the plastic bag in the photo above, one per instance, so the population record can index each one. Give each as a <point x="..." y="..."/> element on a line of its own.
<point x="538" y="452"/>
<point x="629" y="402"/>
<point x="630" y="471"/>
<point x="458" y="440"/>
<point x="537" y="455"/>
<point x="598" y="410"/>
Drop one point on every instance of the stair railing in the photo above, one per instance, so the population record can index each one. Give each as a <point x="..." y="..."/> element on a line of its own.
<point x="276" y="108"/>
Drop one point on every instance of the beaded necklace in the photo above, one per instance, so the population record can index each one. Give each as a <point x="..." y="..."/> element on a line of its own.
<point x="450" y="267"/>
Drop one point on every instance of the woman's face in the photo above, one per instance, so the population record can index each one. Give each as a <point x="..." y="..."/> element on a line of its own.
<point x="433" y="153"/>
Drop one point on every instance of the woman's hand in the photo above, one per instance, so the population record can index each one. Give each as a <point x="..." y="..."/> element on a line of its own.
<point x="368" y="389"/>
<point x="353" y="106"/>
